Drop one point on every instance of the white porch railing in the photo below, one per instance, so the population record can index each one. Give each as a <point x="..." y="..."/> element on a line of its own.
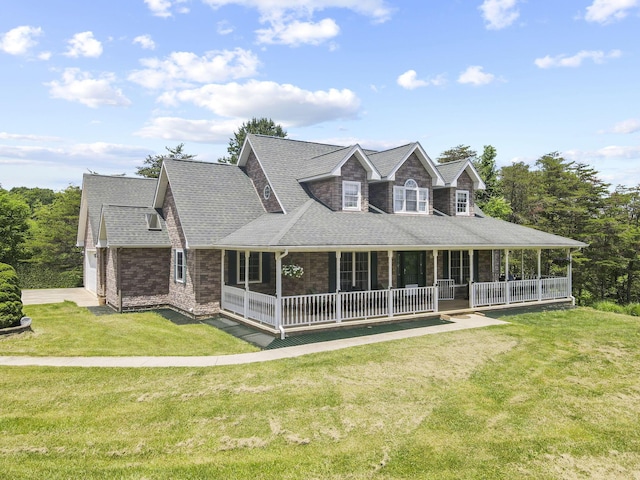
<point x="415" y="300"/>
<point x="253" y="305"/>
<point x="519" y="291"/>
<point x="446" y="289"/>
<point x="233" y="299"/>
<point x="308" y="309"/>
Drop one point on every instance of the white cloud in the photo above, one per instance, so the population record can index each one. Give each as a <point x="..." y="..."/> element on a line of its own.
<point x="627" y="126"/>
<point x="298" y="33"/>
<point x="19" y="40"/>
<point x="410" y="81"/>
<point x="285" y="103"/>
<point x="32" y="138"/>
<point x="183" y="69"/>
<point x="475" y="76"/>
<point x="145" y="41"/>
<point x="162" y="8"/>
<point x="84" y="45"/>
<point x="78" y="86"/>
<point x="291" y="21"/>
<point x="44" y="56"/>
<point x="598" y="56"/>
<point x="608" y="11"/>
<point x="182" y="129"/>
<point x="630" y="152"/>
<point x="499" y="14"/>
<point x="224" y="27"/>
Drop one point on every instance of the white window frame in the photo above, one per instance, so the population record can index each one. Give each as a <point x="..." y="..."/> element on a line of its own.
<point x="467" y="197"/>
<point x="422" y="198"/>
<point x="349" y="276"/>
<point x="358" y="185"/>
<point x="240" y="267"/>
<point x="463" y="267"/>
<point x="179" y="268"/>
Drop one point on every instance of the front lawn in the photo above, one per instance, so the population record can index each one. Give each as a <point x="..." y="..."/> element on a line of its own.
<point x="64" y="329"/>
<point x="551" y="395"/>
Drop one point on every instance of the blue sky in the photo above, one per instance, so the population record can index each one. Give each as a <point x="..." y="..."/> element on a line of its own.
<point x="100" y="85"/>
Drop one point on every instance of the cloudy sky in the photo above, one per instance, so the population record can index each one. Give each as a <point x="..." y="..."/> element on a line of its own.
<point x="99" y="85"/>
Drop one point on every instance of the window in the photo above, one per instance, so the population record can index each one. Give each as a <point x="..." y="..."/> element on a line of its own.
<point x="459" y="266"/>
<point x="462" y="202"/>
<point x="180" y="266"/>
<point x="266" y="192"/>
<point x="350" y="195"/>
<point x="255" y="267"/>
<point x="153" y="221"/>
<point x="354" y="271"/>
<point x="410" y="198"/>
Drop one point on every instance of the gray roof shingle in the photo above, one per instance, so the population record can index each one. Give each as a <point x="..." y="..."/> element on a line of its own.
<point x="127" y="227"/>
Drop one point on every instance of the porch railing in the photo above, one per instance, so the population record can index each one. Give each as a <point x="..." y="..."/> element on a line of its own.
<point x="254" y="305"/>
<point x="446" y="289"/>
<point x="519" y="291"/>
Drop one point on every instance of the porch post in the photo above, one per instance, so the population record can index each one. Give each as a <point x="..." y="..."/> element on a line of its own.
<point x="246" y="282"/>
<point x="471" y="272"/>
<point x="506" y="277"/>
<point x="222" y="255"/>
<point x="390" y="278"/>
<point x="539" y="275"/>
<point x="279" y="257"/>
<point x="435" y="268"/>
<point x="569" y="273"/>
<point x="338" y="296"/>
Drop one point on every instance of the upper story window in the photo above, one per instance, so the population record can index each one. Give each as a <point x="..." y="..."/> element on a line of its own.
<point x="410" y="198"/>
<point x="180" y="265"/>
<point x="462" y="202"/>
<point x="351" y="195"/>
<point x="255" y="267"/>
<point x="266" y="192"/>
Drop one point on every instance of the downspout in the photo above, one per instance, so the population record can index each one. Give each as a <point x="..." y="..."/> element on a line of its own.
<point x="279" y="326"/>
<point x="119" y="279"/>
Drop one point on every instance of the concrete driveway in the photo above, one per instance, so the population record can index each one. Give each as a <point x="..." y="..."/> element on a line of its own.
<point x="80" y="296"/>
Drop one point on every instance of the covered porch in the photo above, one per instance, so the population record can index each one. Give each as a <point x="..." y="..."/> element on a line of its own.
<point x="349" y="287"/>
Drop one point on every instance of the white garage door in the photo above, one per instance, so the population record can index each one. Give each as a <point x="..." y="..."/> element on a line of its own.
<point x="90" y="270"/>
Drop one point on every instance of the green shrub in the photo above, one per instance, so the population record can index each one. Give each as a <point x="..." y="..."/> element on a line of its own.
<point x="606" y="306"/>
<point x="633" y="309"/>
<point x="10" y="297"/>
<point x="34" y="275"/>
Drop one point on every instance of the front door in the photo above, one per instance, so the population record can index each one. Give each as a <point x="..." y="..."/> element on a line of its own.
<point x="411" y="269"/>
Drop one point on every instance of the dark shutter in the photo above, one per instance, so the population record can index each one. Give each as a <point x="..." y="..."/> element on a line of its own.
<point x="445" y="264"/>
<point x="233" y="267"/>
<point x="374" y="270"/>
<point x="476" y="265"/>
<point x="331" y="258"/>
<point x="422" y="277"/>
<point x="400" y="269"/>
<point x="266" y="267"/>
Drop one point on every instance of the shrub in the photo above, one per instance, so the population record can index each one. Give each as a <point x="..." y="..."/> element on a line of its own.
<point x="34" y="275"/>
<point x="633" y="309"/>
<point x="606" y="306"/>
<point x="10" y="297"/>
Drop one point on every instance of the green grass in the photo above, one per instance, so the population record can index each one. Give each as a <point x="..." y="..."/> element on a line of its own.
<point x="64" y="329"/>
<point x="550" y="395"/>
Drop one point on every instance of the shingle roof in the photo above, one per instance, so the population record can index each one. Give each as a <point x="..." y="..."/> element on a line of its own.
<point x="127" y="226"/>
<point x="212" y="199"/>
<point x="451" y="170"/>
<point x="99" y="190"/>
<point x="387" y="160"/>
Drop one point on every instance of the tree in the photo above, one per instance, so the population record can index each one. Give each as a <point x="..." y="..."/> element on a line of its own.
<point x="14" y="215"/>
<point x="260" y="126"/>
<point x="10" y="297"/>
<point x="34" y="197"/>
<point x="153" y="163"/>
<point x="461" y="152"/>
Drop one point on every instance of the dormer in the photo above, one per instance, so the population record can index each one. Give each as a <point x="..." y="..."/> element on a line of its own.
<point x="408" y="179"/>
<point x="456" y="198"/>
<point x="340" y="179"/>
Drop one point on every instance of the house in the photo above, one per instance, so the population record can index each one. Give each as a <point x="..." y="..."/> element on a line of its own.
<point x="303" y="234"/>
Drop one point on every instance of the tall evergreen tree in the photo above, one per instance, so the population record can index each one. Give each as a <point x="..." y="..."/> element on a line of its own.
<point x="153" y="163"/>
<point x="460" y="152"/>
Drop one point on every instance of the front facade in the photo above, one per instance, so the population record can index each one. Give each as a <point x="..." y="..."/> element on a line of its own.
<point x="301" y="234"/>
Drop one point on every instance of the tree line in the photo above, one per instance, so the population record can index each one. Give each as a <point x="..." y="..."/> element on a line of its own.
<point x="38" y="226"/>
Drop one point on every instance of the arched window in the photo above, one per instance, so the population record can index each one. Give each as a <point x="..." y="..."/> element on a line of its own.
<point x="410" y="198"/>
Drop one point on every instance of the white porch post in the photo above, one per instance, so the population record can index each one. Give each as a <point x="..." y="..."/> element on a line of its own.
<point x="435" y="280"/>
<point x="471" y="273"/>
<point x="246" y="282"/>
<point x="222" y="256"/>
<point x="279" y="257"/>
<point x="506" y="276"/>
<point x="338" y="296"/>
<point x="569" y="273"/>
<point x="390" y="278"/>
<point x="539" y="274"/>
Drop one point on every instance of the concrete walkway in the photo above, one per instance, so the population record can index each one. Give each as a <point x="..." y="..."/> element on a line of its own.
<point x="462" y="322"/>
<point x="82" y="297"/>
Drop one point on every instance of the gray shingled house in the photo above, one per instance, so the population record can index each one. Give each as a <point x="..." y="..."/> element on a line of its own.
<point x="301" y="234"/>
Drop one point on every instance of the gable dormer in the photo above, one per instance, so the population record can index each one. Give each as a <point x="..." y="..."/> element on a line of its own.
<point x="456" y="198"/>
<point x="340" y="179"/>
<point x="409" y="176"/>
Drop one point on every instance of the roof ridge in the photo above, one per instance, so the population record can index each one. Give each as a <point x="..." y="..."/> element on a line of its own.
<point x="378" y="152"/>
<point x="192" y="160"/>
<point x="298" y="141"/>
<point x="334" y="151"/>
<point x="119" y="177"/>
<point x="295" y="217"/>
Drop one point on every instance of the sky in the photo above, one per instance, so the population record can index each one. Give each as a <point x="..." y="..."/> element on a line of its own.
<point x="97" y="86"/>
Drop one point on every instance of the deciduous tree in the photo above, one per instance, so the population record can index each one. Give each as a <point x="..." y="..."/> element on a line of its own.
<point x="261" y="126"/>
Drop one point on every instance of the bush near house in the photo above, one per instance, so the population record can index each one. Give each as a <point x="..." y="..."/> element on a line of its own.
<point x="10" y="297"/>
